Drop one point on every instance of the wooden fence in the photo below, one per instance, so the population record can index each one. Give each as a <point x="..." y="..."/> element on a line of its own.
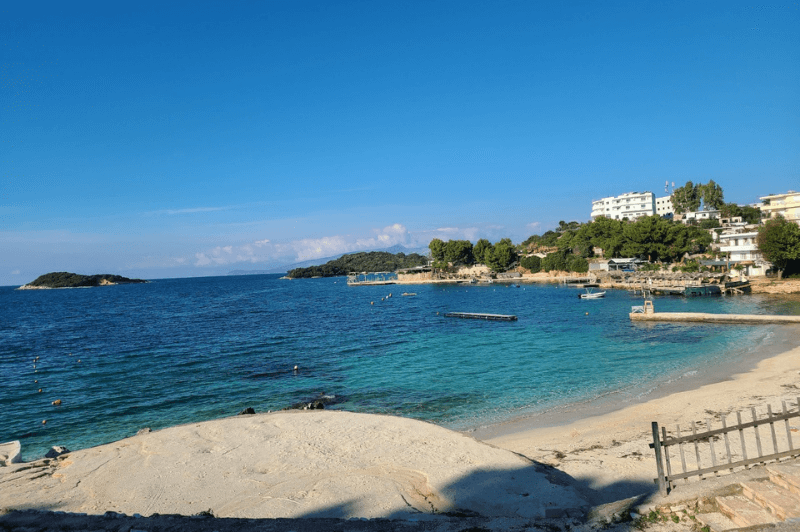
<point x="720" y="461"/>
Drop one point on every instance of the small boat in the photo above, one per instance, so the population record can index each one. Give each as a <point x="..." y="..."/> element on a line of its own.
<point x="592" y="295"/>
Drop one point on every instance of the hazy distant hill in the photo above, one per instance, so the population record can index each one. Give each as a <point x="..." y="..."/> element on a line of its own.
<point x="324" y="260"/>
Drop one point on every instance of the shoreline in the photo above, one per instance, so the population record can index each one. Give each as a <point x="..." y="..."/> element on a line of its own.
<point x="610" y="450"/>
<point x="745" y="361"/>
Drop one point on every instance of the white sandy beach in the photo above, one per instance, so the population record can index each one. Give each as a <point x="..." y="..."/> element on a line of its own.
<point x="341" y="464"/>
<point x="610" y="454"/>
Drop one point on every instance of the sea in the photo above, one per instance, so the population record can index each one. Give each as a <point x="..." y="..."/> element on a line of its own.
<point x="175" y="351"/>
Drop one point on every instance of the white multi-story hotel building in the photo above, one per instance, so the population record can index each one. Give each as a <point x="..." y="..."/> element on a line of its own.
<point x="632" y="205"/>
<point x="743" y="250"/>
<point x="787" y="205"/>
<point x="664" y="206"/>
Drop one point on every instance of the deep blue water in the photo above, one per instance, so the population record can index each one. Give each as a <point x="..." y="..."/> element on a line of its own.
<point x="182" y="350"/>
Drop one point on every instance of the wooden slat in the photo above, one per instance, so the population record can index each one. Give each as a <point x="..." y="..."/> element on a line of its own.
<point x="741" y="434"/>
<point x="680" y="446"/>
<point x="696" y="450"/>
<point x="662" y="482"/>
<point x="788" y="429"/>
<point x="711" y="444"/>
<point x="666" y="453"/>
<point x="755" y="428"/>
<point x="727" y="444"/>
<point x="772" y="430"/>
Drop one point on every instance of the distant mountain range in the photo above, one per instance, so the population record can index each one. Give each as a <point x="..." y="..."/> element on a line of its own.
<point x="316" y="262"/>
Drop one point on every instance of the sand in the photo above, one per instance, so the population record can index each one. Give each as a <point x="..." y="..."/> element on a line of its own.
<point x="609" y="453"/>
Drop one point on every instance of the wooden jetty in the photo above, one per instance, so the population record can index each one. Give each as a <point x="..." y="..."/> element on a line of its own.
<point x="480" y="316"/>
<point x="646" y="312"/>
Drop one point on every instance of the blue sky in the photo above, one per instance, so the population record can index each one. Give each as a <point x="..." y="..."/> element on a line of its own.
<point x="173" y="139"/>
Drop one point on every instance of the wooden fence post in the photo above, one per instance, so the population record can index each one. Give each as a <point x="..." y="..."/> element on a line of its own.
<point x="662" y="484"/>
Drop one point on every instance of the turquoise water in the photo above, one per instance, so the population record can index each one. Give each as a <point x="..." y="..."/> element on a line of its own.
<point x="182" y="350"/>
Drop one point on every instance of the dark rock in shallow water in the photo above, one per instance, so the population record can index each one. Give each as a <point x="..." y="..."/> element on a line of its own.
<point x="56" y="451"/>
<point x="318" y="403"/>
<point x="247" y="411"/>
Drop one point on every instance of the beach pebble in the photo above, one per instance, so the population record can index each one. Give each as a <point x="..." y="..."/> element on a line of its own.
<point x="247" y="411"/>
<point x="143" y="431"/>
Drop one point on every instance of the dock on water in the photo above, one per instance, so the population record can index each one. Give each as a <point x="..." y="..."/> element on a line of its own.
<point x="480" y="316"/>
<point x="647" y="313"/>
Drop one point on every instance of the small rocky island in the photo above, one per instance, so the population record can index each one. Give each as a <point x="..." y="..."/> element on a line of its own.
<point x="75" y="280"/>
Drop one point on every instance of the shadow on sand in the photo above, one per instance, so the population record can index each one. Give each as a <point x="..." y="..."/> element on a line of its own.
<point x="489" y="500"/>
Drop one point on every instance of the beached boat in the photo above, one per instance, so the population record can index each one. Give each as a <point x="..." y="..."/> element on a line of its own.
<point x="592" y="295"/>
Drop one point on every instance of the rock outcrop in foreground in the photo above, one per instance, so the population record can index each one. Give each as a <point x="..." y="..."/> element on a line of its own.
<point x="315" y="463"/>
<point x="75" y="280"/>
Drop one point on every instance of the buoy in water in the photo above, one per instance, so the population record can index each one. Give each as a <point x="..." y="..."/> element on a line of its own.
<point x="57" y="402"/>
<point x="44" y="421"/>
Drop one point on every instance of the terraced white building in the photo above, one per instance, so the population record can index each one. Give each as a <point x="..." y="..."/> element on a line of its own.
<point x="631" y="205"/>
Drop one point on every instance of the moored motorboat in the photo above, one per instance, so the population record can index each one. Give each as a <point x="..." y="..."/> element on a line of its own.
<point x="592" y="295"/>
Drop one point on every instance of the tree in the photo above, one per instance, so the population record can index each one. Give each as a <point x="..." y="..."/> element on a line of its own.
<point x="571" y="226"/>
<point x="712" y="195"/>
<point x="533" y="263"/>
<point x="577" y="264"/>
<point x="779" y="241"/>
<point x="730" y="210"/>
<point x="751" y="215"/>
<point x="458" y="252"/>
<point x="480" y="250"/>
<point x="606" y="234"/>
<point x="555" y="261"/>
<point x="686" y="198"/>
<point x="503" y="254"/>
<point x="437" y="248"/>
<point x="578" y="242"/>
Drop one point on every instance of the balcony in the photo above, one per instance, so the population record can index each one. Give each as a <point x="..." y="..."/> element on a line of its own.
<point x="738" y="249"/>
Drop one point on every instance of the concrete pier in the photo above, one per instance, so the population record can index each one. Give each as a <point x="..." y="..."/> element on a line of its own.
<point x="699" y="317"/>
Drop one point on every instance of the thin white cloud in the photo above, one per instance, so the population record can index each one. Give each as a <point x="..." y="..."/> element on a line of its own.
<point x="533" y="226"/>
<point x="15" y="272"/>
<point x="303" y="249"/>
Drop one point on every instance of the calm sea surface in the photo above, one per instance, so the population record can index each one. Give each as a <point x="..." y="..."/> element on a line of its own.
<point x="175" y="351"/>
